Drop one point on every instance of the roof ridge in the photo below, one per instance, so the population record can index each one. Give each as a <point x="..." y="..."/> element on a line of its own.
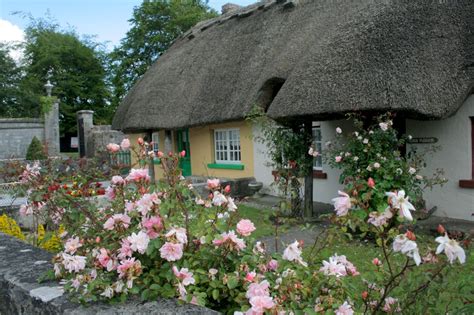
<point x="241" y="12"/>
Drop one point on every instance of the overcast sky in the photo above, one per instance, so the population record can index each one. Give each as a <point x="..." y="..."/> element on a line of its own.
<point x="107" y="19"/>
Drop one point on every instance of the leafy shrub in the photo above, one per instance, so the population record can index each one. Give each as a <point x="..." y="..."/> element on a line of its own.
<point x="35" y="151"/>
<point x="164" y="240"/>
<point x="10" y="227"/>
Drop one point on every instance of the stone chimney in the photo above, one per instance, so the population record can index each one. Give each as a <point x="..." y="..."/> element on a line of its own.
<point x="229" y="7"/>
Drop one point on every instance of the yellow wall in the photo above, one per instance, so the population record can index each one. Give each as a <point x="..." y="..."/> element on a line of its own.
<point x="133" y="137"/>
<point x="202" y="150"/>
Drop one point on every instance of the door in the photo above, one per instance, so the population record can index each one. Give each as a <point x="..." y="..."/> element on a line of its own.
<point x="183" y="144"/>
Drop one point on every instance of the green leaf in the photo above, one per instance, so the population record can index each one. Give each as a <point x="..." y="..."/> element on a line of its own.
<point x="232" y="282"/>
<point x="215" y="294"/>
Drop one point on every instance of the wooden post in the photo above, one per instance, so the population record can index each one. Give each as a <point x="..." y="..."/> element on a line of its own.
<point x="308" y="179"/>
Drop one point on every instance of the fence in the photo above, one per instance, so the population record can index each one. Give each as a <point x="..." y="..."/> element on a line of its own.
<point x="122" y="160"/>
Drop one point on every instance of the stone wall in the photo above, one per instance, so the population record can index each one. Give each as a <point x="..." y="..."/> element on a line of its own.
<point x="20" y="293"/>
<point x="16" y="135"/>
<point x="93" y="139"/>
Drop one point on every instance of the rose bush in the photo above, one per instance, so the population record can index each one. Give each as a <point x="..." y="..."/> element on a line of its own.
<point x="164" y="240"/>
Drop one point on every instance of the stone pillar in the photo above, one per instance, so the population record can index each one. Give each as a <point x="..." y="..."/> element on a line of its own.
<point x="84" y="127"/>
<point x="51" y="130"/>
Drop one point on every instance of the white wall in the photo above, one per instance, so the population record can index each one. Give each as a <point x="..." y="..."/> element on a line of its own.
<point x="262" y="169"/>
<point x="454" y="135"/>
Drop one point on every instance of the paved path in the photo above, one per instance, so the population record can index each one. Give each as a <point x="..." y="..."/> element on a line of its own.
<point x="295" y="233"/>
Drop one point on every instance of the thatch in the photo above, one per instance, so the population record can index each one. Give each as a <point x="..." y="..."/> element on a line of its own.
<point x="332" y="57"/>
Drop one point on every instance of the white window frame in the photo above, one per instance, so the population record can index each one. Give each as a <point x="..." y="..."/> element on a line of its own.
<point x="228" y="151"/>
<point x="155" y="138"/>
<point x="318" y="146"/>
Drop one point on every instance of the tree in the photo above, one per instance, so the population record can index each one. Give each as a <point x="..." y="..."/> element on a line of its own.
<point x="155" y="25"/>
<point x="74" y="66"/>
<point x="10" y="75"/>
<point x="35" y="150"/>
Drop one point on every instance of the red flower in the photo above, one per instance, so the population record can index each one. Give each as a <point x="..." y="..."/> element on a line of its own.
<point x="441" y="229"/>
<point x="410" y="235"/>
<point x="365" y="294"/>
<point x="182" y="154"/>
<point x="227" y="189"/>
<point x="371" y="182"/>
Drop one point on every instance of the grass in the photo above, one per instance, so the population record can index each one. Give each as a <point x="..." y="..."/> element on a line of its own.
<point x="452" y="293"/>
<point x="260" y="218"/>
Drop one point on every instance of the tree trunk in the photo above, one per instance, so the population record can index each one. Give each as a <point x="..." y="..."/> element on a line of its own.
<point x="308" y="179"/>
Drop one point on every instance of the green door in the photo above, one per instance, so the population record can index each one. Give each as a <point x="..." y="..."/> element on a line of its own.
<point x="183" y="144"/>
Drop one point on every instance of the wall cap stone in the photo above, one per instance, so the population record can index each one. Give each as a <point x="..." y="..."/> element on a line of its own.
<point x="20" y="293"/>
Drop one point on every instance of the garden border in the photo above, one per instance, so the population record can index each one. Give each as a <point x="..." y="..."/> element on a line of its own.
<point x="20" y="293"/>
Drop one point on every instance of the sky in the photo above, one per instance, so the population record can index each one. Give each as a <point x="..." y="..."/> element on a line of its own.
<point x="107" y="19"/>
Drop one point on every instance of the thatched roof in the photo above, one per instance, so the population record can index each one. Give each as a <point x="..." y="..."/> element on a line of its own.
<point x="329" y="57"/>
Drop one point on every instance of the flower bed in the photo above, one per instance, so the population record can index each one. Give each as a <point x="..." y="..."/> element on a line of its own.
<point x="165" y="240"/>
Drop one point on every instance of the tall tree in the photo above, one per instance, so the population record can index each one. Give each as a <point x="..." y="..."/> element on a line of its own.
<point x="74" y="66"/>
<point x="10" y="76"/>
<point x="155" y="25"/>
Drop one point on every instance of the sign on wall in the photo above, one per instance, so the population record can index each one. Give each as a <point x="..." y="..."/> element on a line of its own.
<point x="423" y="140"/>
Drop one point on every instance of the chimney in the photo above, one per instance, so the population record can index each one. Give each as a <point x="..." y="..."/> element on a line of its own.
<point x="229" y="7"/>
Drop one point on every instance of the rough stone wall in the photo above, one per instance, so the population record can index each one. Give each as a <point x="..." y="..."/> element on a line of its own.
<point x="16" y="135"/>
<point x="100" y="136"/>
<point x="20" y="293"/>
<point x="93" y="139"/>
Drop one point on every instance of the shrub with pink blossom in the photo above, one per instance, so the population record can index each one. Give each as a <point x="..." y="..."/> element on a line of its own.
<point x="164" y="240"/>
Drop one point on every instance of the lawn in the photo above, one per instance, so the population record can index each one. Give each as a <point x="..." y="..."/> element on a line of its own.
<point x="260" y="218"/>
<point x="456" y="287"/>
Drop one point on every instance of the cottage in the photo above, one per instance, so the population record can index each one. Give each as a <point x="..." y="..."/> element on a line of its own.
<point x="315" y="60"/>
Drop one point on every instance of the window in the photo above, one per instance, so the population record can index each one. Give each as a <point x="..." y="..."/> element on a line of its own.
<point x="155" y="138"/>
<point x="318" y="146"/>
<point x="227" y="145"/>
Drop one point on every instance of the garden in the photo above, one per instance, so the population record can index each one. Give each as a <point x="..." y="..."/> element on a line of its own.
<point x="146" y="238"/>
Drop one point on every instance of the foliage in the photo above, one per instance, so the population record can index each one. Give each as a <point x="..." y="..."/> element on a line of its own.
<point x="155" y="26"/>
<point x="10" y="92"/>
<point x="75" y="66"/>
<point x="164" y="240"/>
<point x="372" y="164"/>
<point x="46" y="103"/>
<point x="286" y="147"/>
<point x="10" y="227"/>
<point x="50" y="240"/>
<point x="35" y="150"/>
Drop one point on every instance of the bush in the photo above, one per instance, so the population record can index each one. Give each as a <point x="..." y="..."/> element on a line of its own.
<point x="35" y="151"/>
<point x="166" y="241"/>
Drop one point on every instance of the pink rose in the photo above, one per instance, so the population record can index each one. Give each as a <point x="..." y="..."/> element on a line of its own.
<point x="117" y="180"/>
<point x="213" y="183"/>
<point x="261" y="303"/>
<point x="258" y="289"/>
<point x="272" y="265"/>
<point x="342" y="204"/>
<point x="376" y="262"/>
<point x="171" y="251"/>
<point x="371" y="182"/>
<point x="153" y="226"/>
<point x="125" y="145"/>
<point x="338" y="159"/>
<point x="245" y="227"/>
<point x="137" y="175"/>
<point x="113" y="148"/>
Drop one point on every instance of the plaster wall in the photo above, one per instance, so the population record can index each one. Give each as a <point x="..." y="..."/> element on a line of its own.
<point x="455" y="158"/>
<point x="202" y="150"/>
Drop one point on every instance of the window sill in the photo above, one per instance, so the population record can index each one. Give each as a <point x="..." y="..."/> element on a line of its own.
<point x="466" y="183"/>
<point x="223" y="166"/>
<point x="319" y="174"/>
